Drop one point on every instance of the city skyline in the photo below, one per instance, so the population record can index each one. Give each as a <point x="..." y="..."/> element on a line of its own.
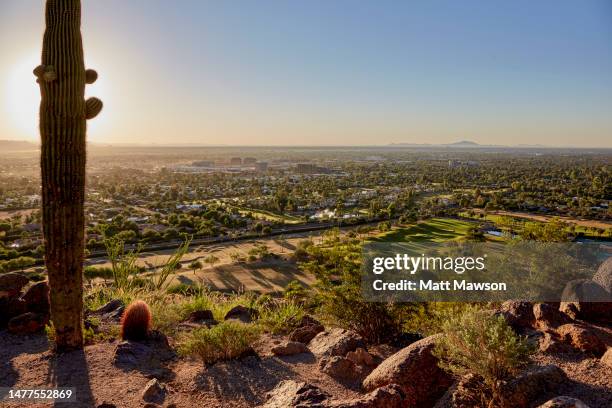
<point x="328" y="73"/>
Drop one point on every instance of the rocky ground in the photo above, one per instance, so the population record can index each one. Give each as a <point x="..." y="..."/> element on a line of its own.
<point x="313" y="366"/>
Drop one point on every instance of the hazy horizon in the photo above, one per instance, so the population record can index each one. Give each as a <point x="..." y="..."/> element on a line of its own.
<point x="319" y="73"/>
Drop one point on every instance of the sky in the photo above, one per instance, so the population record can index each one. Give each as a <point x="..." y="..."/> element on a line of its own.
<point x="321" y="72"/>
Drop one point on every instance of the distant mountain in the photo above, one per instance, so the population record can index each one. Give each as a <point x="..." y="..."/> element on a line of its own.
<point x="464" y="143"/>
<point x="17" y="145"/>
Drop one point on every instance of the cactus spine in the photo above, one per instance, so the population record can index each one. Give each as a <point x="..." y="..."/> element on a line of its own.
<point x="63" y="111"/>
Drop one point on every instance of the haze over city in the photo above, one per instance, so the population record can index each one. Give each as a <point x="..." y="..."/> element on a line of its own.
<point x="328" y="73"/>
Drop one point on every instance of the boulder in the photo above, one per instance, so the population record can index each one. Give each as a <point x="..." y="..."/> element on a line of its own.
<point x="547" y="316"/>
<point x="563" y="402"/>
<point x="531" y="384"/>
<point x="37" y="298"/>
<point x="291" y="393"/>
<point x="200" y="315"/>
<point x="340" y="368"/>
<point x="518" y="314"/>
<point x="361" y="357"/>
<point x="551" y="343"/>
<point x="289" y="348"/>
<point x="607" y="358"/>
<point x="27" y="323"/>
<point x="11" y="284"/>
<point x="389" y="396"/>
<point x="242" y="313"/>
<point x="155" y="348"/>
<point x="590" y="300"/>
<point x="110" y="306"/>
<point x="603" y="276"/>
<point x="415" y="369"/>
<point x="581" y="338"/>
<point x="115" y="314"/>
<point x="9" y="308"/>
<point x="336" y="342"/>
<point x="306" y="333"/>
<point x="465" y="393"/>
<point x="154" y="391"/>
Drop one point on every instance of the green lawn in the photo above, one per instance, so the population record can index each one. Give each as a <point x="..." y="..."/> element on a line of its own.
<point x="434" y="230"/>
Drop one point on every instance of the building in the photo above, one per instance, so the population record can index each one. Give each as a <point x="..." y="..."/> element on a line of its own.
<point x="261" y="166"/>
<point x="249" y="160"/>
<point x="236" y="161"/>
<point x="203" y="163"/>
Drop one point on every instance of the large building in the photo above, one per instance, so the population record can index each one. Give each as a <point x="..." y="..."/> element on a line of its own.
<point x="236" y="161"/>
<point x="261" y="166"/>
<point x="249" y="160"/>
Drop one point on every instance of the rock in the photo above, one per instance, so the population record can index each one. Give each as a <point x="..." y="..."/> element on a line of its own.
<point x="531" y="384"/>
<point x="130" y="354"/>
<point x="465" y="393"/>
<point x="306" y="333"/>
<point x="551" y="343"/>
<point x="110" y="306"/>
<point x="581" y="338"/>
<point x="242" y="313"/>
<point x="591" y="301"/>
<point x="289" y="348"/>
<point x="563" y="402"/>
<point x="389" y="396"/>
<point x="106" y="405"/>
<point x="340" y="368"/>
<point x="361" y="357"/>
<point x="603" y="276"/>
<point x="154" y="391"/>
<point x="415" y="369"/>
<point x="291" y="393"/>
<point x="151" y="405"/>
<point x="37" y="298"/>
<point x="518" y="313"/>
<point x="607" y="357"/>
<point x="11" y="284"/>
<point x="27" y="323"/>
<point x="336" y="342"/>
<point x="200" y="315"/>
<point x="9" y="308"/>
<point x="115" y="314"/>
<point x="547" y="316"/>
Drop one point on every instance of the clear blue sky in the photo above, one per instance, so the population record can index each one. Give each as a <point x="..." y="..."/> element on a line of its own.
<point x="334" y="71"/>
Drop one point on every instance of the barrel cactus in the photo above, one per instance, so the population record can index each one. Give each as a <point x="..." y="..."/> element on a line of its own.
<point x="63" y="112"/>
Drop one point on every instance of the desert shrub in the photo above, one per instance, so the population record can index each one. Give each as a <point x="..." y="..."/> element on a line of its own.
<point x="280" y="316"/>
<point x="182" y="289"/>
<point x="337" y="267"/>
<point x="476" y="342"/>
<point x="91" y="272"/>
<point x="294" y="291"/>
<point x="225" y="341"/>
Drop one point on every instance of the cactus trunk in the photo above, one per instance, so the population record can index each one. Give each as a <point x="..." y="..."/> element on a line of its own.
<point x="63" y="112"/>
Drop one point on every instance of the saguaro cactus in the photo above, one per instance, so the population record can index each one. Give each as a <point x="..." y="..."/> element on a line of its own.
<point x="63" y="112"/>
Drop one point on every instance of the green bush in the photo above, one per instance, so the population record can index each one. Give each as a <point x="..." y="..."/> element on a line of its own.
<point x="225" y="341"/>
<point x="476" y="342"/>
<point x="280" y="316"/>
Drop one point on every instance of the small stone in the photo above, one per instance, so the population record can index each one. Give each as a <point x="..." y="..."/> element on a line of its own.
<point x="607" y="357"/>
<point x="291" y="393"/>
<point x="11" y="284"/>
<point x="199" y="315"/>
<point x="154" y="391"/>
<point x="361" y="357"/>
<point x="27" y="323"/>
<point x="289" y="348"/>
<point x="242" y="313"/>
<point x="563" y="402"/>
<point x="340" y="368"/>
<point x="336" y="342"/>
<point x="581" y="338"/>
<point x="110" y="306"/>
<point x="37" y="298"/>
<point x="306" y="333"/>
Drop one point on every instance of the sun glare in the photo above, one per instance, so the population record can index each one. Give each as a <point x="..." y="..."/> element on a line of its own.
<point x="21" y="100"/>
<point x="22" y="97"/>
